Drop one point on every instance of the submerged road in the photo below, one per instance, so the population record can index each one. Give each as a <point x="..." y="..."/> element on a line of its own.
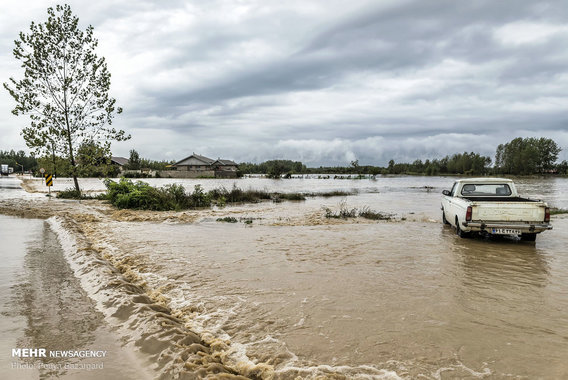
<point x="43" y="306"/>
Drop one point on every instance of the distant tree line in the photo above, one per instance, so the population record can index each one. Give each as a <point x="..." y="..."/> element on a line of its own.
<point x="273" y="168"/>
<point x="520" y="156"/>
<point x="135" y="162"/>
<point x="461" y="163"/>
<point x="15" y="159"/>
<point x="92" y="160"/>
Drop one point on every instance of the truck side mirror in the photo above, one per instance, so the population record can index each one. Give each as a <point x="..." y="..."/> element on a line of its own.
<point x="446" y="192"/>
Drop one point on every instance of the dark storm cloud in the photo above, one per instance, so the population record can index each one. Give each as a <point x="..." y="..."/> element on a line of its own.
<point x="329" y="82"/>
<point x="404" y="38"/>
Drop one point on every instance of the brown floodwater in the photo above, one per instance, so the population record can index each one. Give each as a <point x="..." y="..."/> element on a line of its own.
<point x="42" y="305"/>
<point x="307" y="296"/>
<point x="406" y="298"/>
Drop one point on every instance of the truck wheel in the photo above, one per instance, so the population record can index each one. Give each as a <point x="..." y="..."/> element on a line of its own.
<point x="459" y="231"/>
<point x="444" y="220"/>
<point x="528" y="237"/>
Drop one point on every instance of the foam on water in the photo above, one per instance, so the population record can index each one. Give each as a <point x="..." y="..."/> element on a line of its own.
<point x="167" y="347"/>
<point x="114" y="290"/>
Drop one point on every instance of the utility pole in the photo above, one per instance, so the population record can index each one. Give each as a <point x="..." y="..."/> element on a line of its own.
<point x="53" y="155"/>
<point x="22" y="168"/>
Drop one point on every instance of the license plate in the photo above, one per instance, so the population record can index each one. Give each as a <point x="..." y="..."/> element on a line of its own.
<point x="505" y="231"/>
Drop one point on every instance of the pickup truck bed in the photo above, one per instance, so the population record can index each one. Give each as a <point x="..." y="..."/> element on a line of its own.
<point x="499" y="199"/>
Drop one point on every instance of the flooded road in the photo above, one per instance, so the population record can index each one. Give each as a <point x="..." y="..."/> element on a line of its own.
<point x="411" y="298"/>
<point x="293" y="294"/>
<point x="42" y="305"/>
<point x="404" y="299"/>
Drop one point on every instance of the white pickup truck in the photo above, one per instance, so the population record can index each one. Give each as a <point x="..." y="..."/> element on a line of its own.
<point x="493" y="206"/>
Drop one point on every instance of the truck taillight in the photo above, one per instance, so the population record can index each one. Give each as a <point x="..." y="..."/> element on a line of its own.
<point x="468" y="214"/>
<point x="547" y="214"/>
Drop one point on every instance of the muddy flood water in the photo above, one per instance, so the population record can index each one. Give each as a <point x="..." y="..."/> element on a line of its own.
<point x="42" y="305"/>
<point x="287" y="293"/>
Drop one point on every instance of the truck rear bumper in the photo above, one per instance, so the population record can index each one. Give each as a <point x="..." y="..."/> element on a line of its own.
<point x="523" y="227"/>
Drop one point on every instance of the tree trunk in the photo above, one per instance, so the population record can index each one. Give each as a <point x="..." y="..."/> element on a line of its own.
<point x="72" y="157"/>
<point x="53" y="156"/>
<point x="69" y="141"/>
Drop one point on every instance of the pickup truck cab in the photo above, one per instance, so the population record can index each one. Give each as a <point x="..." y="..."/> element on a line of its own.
<point x="493" y="206"/>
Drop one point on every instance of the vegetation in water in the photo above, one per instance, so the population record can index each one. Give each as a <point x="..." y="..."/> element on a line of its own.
<point x="366" y="212"/>
<point x="228" y="219"/>
<point x="140" y="195"/>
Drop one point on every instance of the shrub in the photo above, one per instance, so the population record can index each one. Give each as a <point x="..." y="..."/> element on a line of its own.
<point x="343" y="212"/>
<point x="228" y="219"/>
<point x="140" y="195"/>
<point x="70" y="193"/>
<point x="200" y="198"/>
<point x="332" y="193"/>
<point x="367" y="213"/>
<point x="292" y="196"/>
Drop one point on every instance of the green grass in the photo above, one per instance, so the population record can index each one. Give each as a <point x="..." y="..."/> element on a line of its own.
<point x="558" y="211"/>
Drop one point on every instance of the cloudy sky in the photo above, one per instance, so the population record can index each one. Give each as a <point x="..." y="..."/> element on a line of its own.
<point x="324" y="82"/>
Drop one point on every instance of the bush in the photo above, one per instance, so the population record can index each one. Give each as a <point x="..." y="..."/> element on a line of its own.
<point x="366" y="212"/>
<point x="343" y="212"/>
<point x="228" y="219"/>
<point x="199" y="198"/>
<point x="291" y="196"/>
<point x="140" y="195"/>
<point x="70" y="193"/>
<point x="332" y="193"/>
